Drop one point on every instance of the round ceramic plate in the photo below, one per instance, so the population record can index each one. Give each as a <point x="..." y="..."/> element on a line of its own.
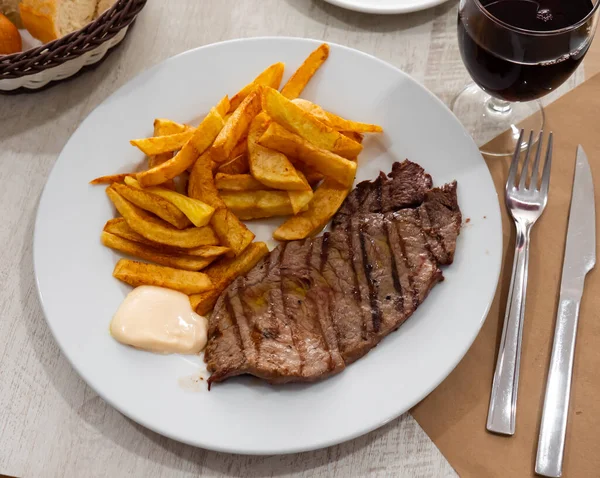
<point x="244" y="415"/>
<point x="386" y="7"/>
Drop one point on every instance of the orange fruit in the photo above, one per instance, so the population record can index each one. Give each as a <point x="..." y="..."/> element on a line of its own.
<point x="10" y="39"/>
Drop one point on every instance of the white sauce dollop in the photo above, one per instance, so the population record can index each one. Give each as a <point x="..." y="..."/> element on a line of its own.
<point x="159" y="320"/>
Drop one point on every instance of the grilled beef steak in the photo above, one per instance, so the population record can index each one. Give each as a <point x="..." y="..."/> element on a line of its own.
<point x="311" y="307"/>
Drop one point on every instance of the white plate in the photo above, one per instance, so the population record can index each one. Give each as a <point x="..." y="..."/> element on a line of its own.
<point x="386" y="7"/>
<point x="244" y="415"/>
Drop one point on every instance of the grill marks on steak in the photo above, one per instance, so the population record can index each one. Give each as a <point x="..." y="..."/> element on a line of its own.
<point x="312" y="307"/>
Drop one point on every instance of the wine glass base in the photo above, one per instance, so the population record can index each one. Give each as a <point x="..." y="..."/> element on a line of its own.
<point x="485" y="118"/>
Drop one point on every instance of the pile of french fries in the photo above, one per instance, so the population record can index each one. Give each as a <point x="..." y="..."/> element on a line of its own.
<point x="260" y="154"/>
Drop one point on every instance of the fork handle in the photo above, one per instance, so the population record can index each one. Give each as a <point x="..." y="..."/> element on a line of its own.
<point x="503" y="400"/>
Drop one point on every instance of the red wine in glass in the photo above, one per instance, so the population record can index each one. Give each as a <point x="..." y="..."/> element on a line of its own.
<point x="521" y="50"/>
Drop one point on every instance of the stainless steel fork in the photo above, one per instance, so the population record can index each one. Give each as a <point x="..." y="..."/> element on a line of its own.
<point x="526" y="202"/>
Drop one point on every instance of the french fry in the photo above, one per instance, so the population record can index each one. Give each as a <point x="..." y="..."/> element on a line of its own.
<point x="148" y="253"/>
<point x="329" y="164"/>
<point x="224" y="272"/>
<point x="223" y="106"/>
<point x="163" y="127"/>
<point x="269" y="77"/>
<point x="236" y="127"/>
<point x="159" y="231"/>
<point x="201" y="184"/>
<point x="313" y="177"/>
<point x="196" y="211"/>
<point x="258" y="204"/>
<point x="140" y="273"/>
<point x="336" y="122"/>
<point x="358" y="137"/>
<point x="119" y="227"/>
<point x="300" y="199"/>
<point x="162" y="144"/>
<point x="237" y="182"/>
<point x="271" y="168"/>
<point x="231" y="232"/>
<point x="327" y="199"/>
<point x="238" y="165"/>
<point x="298" y="81"/>
<point x="240" y="148"/>
<point x="113" y="178"/>
<point x="203" y="137"/>
<point x="295" y="119"/>
<point x="154" y="204"/>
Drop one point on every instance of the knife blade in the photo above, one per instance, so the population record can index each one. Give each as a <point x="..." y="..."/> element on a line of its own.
<point x="580" y="258"/>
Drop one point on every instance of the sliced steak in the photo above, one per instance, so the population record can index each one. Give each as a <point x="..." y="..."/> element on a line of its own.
<point x="312" y="307"/>
<point x="405" y="186"/>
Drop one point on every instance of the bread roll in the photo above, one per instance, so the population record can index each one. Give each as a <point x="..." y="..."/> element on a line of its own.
<point x="48" y="20"/>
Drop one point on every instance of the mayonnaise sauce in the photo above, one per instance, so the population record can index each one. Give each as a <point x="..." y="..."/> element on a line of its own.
<point x="159" y="320"/>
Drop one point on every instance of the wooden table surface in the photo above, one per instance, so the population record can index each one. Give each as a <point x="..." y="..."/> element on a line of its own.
<point x="51" y="423"/>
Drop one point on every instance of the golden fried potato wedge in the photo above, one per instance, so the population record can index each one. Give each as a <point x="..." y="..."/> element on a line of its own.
<point x="223" y="106"/>
<point x="196" y="211"/>
<point x="327" y="199"/>
<point x="336" y="122"/>
<point x="269" y="77"/>
<point x="354" y="136"/>
<point x="203" y="137"/>
<point x="224" y="272"/>
<point x="154" y="204"/>
<point x="240" y="148"/>
<point x="159" y="231"/>
<point x="295" y="119"/>
<point x="329" y="164"/>
<point x="113" y="178"/>
<point x="298" y="81"/>
<point x="148" y="253"/>
<point x="313" y="177"/>
<point x="201" y="184"/>
<point x="119" y="227"/>
<point x="164" y="127"/>
<point x="258" y="204"/>
<point x="231" y="232"/>
<point x="162" y="144"/>
<point x="271" y="168"/>
<point x="238" y="165"/>
<point x="237" y="182"/>
<point x="300" y="199"/>
<point x="236" y="127"/>
<point x="140" y="273"/>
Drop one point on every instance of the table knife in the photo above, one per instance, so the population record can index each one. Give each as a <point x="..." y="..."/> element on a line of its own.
<point x="580" y="258"/>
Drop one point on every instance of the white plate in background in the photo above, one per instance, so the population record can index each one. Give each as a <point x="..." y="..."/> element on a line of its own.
<point x="386" y="7"/>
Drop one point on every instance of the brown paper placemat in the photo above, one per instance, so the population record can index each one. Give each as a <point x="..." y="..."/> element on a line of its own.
<point x="454" y="415"/>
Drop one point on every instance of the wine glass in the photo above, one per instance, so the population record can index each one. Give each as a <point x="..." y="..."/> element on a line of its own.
<point x="517" y="51"/>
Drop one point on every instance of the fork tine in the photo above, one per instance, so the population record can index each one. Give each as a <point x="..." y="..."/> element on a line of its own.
<point x="535" y="174"/>
<point x="512" y="173"/>
<point x="525" y="168"/>
<point x="547" y="165"/>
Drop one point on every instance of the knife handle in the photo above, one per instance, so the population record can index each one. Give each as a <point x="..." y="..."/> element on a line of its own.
<point x="503" y="400"/>
<point x="551" y="444"/>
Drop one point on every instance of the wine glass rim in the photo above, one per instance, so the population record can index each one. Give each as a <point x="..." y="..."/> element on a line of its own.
<point x="535" y="32"/>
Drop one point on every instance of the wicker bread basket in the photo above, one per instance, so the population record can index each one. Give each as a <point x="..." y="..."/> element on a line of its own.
<point x="64" y="57"/>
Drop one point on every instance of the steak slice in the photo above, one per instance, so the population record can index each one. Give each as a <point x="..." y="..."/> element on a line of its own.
<point x="312" y="307"/>
<point x="405" y="186"/>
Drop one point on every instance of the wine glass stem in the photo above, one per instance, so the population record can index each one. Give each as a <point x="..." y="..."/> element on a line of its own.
<point x="499" y="106"/>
